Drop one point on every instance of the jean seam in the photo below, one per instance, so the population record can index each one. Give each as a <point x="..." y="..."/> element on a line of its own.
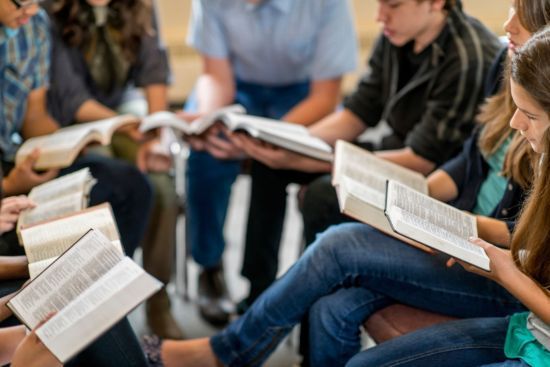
<point x="439" y="351"/>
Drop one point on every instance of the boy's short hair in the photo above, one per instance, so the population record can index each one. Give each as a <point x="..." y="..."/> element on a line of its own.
<point x="449" y="4"/>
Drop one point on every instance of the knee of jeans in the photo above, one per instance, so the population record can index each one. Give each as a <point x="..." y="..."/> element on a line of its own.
<point x="335" y="237"/>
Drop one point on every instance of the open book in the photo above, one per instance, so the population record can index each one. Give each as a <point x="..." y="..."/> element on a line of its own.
<point x="293" y="137"/>
<point x="64" y="195"/>
<point x="195" y="127"/>
<point x="90" y="287"/>
<point x="60" y="149"/>
<point x="359" y="178"/>
<point x="434" y="223"/>
<point x="45" y="241"/>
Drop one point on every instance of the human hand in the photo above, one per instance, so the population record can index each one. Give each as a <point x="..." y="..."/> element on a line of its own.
<point x="151" y="158"/>
<point x="23" y="177"/>
<point x="11" y="207"/>
<point x="31" y="352"/>
<point x="132" y="131"/>
<point x="218" y="141"/>
<point x="501" y="262"/>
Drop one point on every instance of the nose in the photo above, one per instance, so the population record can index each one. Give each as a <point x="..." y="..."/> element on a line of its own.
<point x="381" y="14"/>
<point x="511" y="24"/>
<point x="519" y="121"/>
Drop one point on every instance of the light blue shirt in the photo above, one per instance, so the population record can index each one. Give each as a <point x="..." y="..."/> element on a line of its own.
<point x="277" y="42"/>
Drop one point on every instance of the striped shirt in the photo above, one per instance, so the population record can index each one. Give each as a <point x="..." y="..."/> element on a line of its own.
<point x="434" y="111"/>
<point x="24" y="65"/>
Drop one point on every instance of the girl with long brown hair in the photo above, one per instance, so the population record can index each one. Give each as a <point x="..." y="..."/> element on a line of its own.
<point x="108" y="59"/>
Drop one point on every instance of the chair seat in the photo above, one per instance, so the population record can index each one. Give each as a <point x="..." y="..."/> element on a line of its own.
<point x="398" y="319"/>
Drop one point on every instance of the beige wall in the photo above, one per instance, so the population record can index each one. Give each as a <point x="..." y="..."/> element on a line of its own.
<point x="185" y="64"/>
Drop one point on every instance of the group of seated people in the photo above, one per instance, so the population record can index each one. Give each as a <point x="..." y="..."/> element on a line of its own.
<point x="463" y="109"/>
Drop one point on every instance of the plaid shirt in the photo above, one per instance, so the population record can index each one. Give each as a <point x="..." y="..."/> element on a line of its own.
<point x="24" y="65"/>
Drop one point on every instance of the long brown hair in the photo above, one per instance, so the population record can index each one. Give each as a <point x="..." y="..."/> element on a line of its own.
<point x="499" y="109"/>
<point x="530" y="69"/>
<point x="132" y="18"/>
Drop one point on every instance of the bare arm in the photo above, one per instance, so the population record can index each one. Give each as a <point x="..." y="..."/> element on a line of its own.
<point x="37" y="121"/>
<point x="441" y="186"/>
<point x="505" y="272"/>
<point x="92" y="110"/>
<point x="342" y="124"/>
<point x="14" y="267"/>
<point x="407" y="158"/>
<point x="216" y="85"/>
<point x="320" y="102"/>
<point x="157" y="97"/>
<point x="10" y="337"/>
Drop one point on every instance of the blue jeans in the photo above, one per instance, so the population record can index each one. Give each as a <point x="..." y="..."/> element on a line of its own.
<point x="355" y="256"/>
<point x="209" y="180"/>
<point x="468" y="342"/>
<point x="125" y="188"/>
<point x="509" y="363"/>
<point x="117" y="347"/>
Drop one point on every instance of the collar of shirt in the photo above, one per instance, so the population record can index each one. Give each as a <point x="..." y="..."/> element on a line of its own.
<point x="7" y="33"/>
<point x="283" y="6"/>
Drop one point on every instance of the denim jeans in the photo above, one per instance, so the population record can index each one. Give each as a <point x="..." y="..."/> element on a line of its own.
<point x="468" y="342"/>
<point x="117" y="347"/>
<point x="508" y="363"/>
<point x="209" y="180"/>
<point x="355" y="256"/>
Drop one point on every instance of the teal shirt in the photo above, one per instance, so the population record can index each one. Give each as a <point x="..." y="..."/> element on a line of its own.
<point x="520" y="343"/>
<point x="494" y="186"/>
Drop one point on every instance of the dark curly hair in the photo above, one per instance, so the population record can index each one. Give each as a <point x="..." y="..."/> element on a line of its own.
<point x="132" y="18"/>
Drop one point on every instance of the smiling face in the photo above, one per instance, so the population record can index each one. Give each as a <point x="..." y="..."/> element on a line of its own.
<point x="515" y="31"/>
<point x="13" y="17"/>
<point x="530" y="119"/>
<point x="407" y="20"/>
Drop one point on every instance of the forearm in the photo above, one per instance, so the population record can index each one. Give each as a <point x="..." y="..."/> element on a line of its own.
<point x="14" y="267"/>
<point x="92" y="110"/>
<point x="321" y="101"/>
<point x="157" y="97"/>
<point x="10" y="337"/>
<point x="305" y="164"/>
<point x="441" y="186"/>
<point x="342" y="125"/>
<point x="493" y="231"/>
<point x="407" y="158"/>
<point x="213" y="93"/>
<point x="530" y="294"/>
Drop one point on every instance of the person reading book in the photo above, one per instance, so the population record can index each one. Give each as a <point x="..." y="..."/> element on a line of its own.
<point x="117" y="347"/>
<point x="102" y="60"/>
<point x="250" y="57"/>
<point x="352" y="270"/>
<point x="424" y="79"/>
<point x="24" y="62"/>
<point x="523" y="339"/>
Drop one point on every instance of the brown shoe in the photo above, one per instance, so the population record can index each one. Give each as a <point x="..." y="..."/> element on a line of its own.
<point x="160" y="319"/>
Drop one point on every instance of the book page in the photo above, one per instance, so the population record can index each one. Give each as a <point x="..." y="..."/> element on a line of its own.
<point x="56" y="150"/>
<point x="96" y="309"/>
<point x="201" y="124"/>
<point x="80" y="180"/>
<point x="437" y="237"/>
<point x="293" y="137"/>
<point x="366" y="167"/>
<point x="107" y="127"/>
<point x="442" y="215"/>
<point x="80" y="266"/>
<point x="165" y="119"/>
<point x="374" y="192"/>
<point x="38" y="267"/>
<point x="50" y="239"/>
<point x="54" y="208"/>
